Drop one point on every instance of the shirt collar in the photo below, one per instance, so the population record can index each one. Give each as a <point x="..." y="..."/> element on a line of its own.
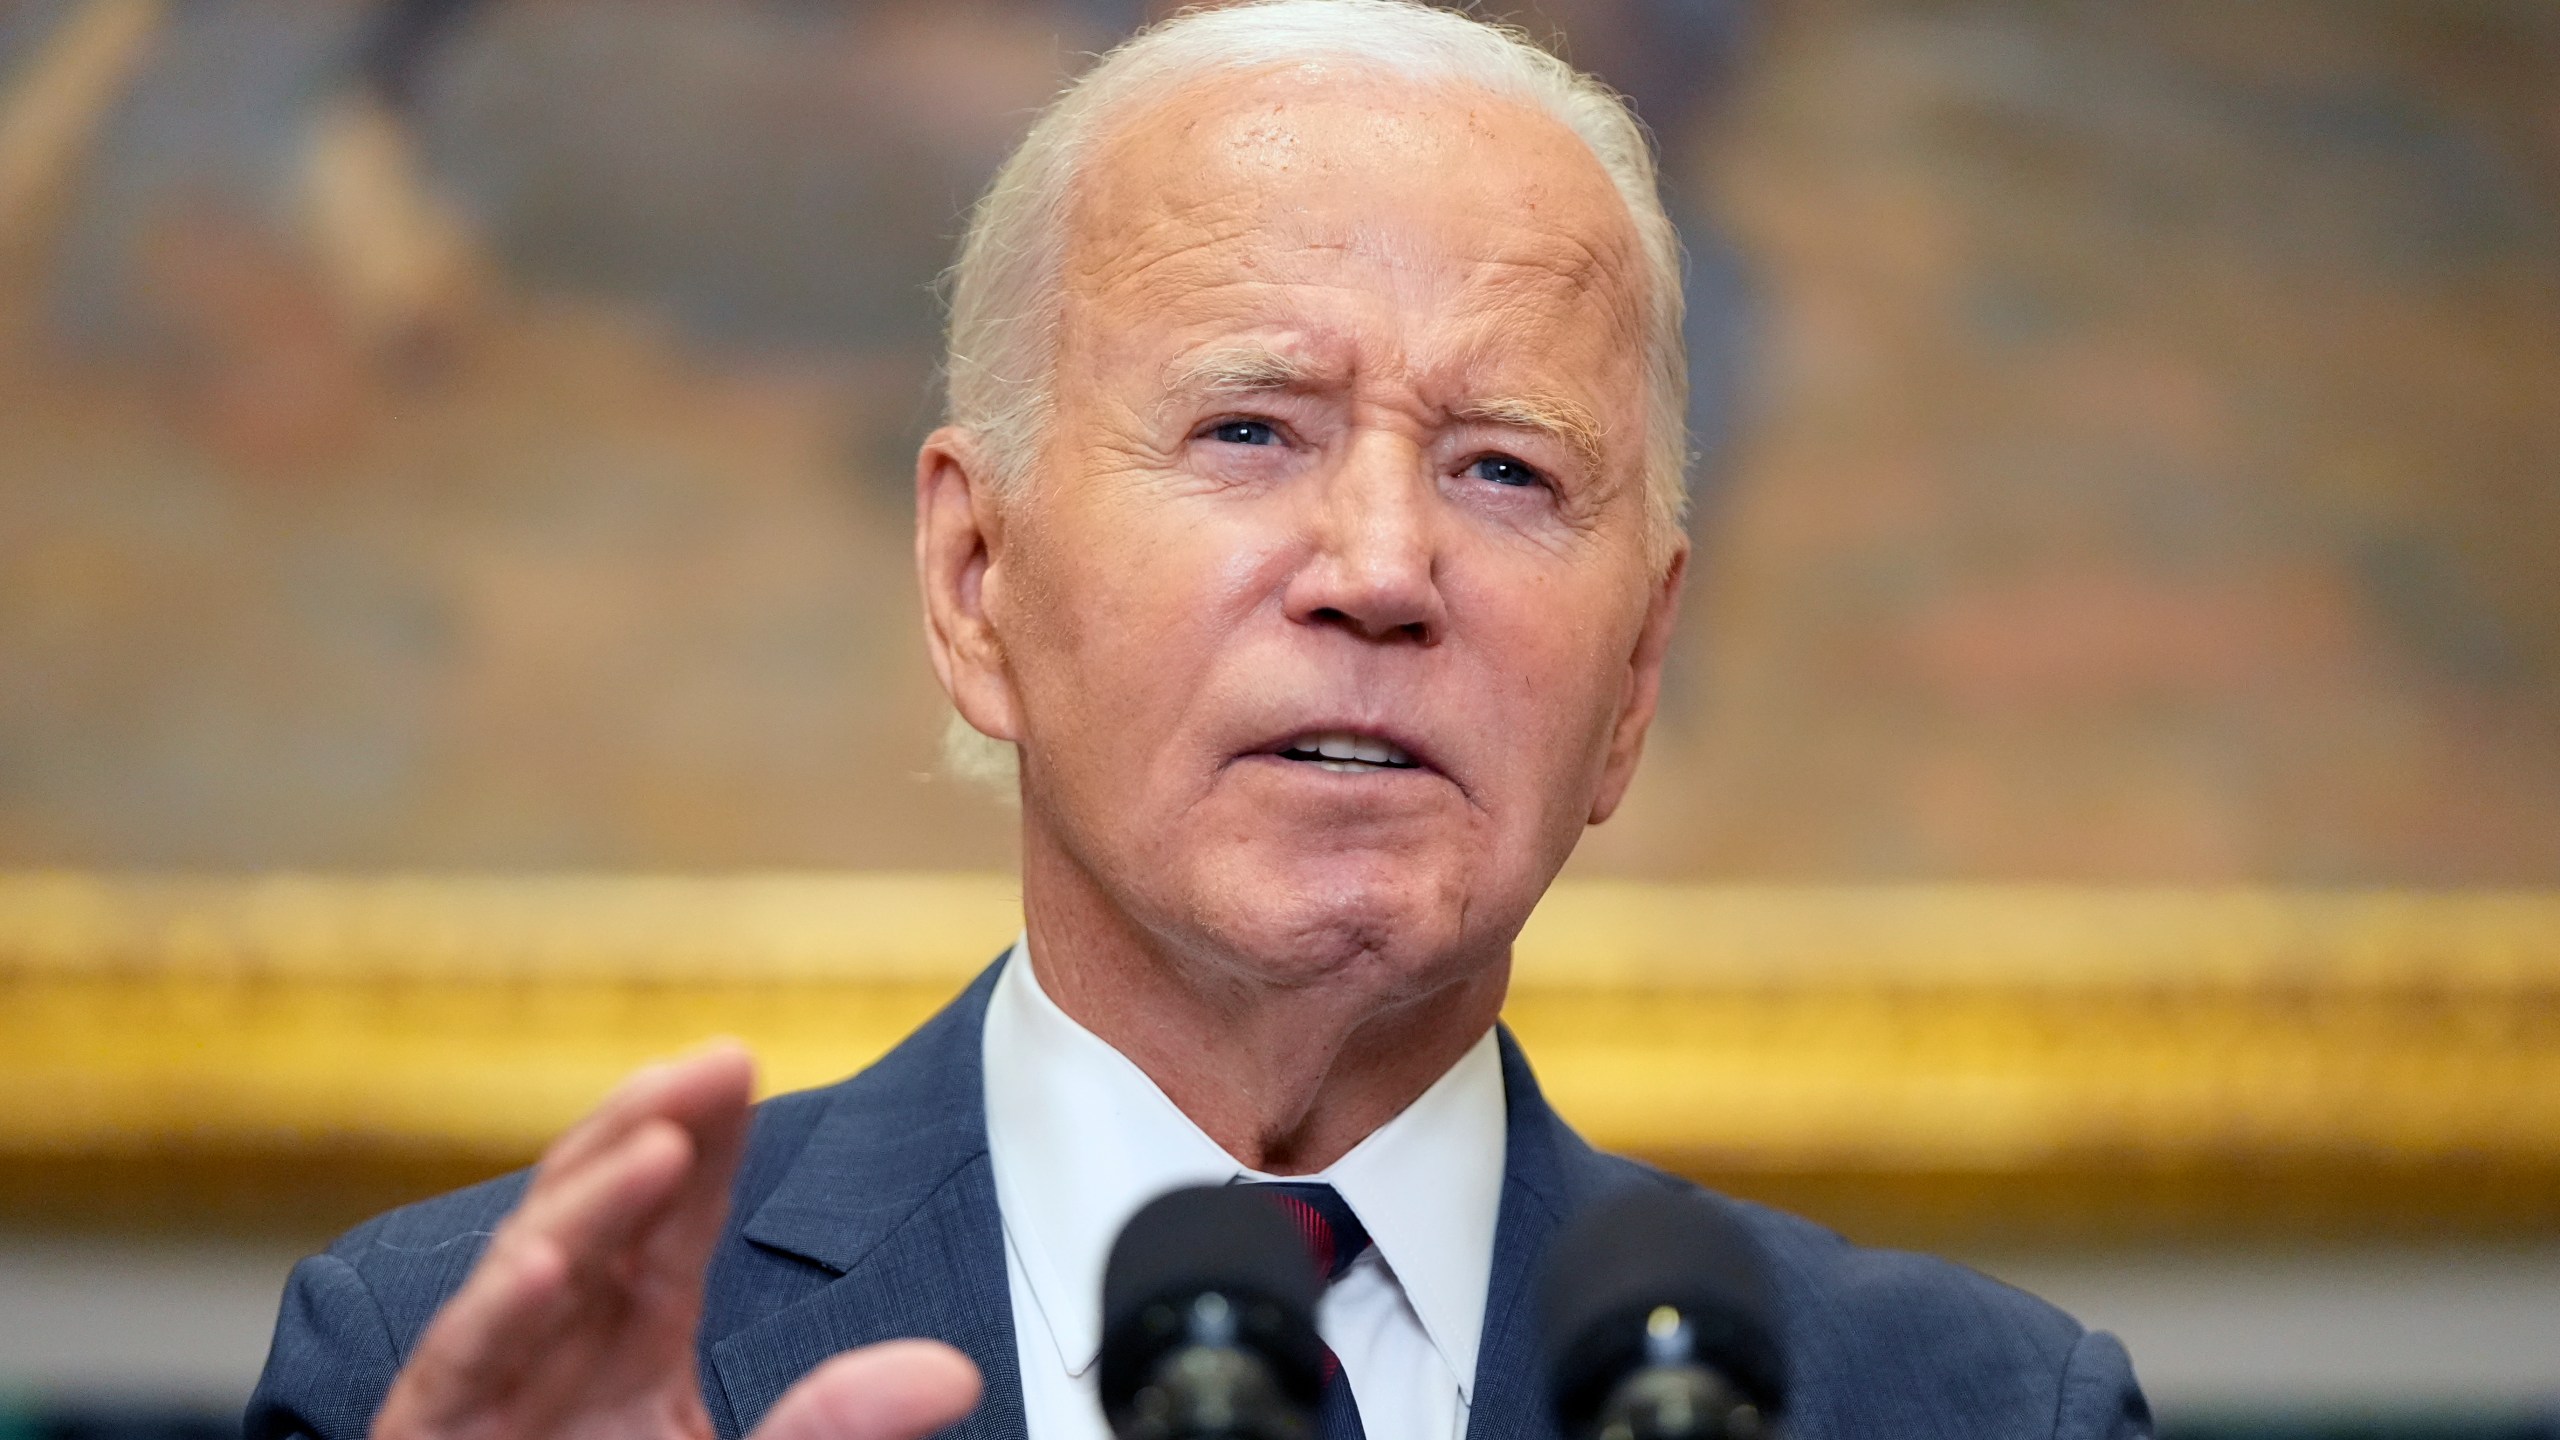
<point x="1080" y="1138"/>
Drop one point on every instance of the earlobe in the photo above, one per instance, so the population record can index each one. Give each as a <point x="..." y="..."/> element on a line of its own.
<point x="958" y="541"/>
<point x="1643" y="688"/>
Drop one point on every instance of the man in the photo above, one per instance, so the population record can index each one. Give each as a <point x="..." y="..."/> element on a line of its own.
<point x="1308" y="523"/>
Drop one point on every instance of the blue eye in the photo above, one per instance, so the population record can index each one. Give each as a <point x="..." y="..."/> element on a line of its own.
<point x="1503" y="470"/>
<point x="1244" y="432"/>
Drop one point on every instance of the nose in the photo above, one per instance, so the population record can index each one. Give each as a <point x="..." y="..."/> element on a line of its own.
<point x="1374" y="561"/>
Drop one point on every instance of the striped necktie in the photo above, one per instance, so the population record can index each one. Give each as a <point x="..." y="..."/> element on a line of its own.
<point x="1335" y="1237"/>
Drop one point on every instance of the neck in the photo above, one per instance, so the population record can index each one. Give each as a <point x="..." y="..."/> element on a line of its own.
<point x="1285" y="1077"/>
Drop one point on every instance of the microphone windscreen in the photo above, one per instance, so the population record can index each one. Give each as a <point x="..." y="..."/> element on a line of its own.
<point x="1203" y="1238"/>
<point x="1618" y="1261"/>
<point x="1233" y="1240"/>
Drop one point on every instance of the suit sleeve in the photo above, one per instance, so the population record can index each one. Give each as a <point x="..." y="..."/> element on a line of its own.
<point x="332" y="1360"/>
<point x="2100" y="1399"/>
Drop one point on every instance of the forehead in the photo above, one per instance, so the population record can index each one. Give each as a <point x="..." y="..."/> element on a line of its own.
<point x="1457" y="222"/>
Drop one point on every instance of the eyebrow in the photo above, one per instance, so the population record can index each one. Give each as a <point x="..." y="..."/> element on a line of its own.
<point x="1242" y="370"/>
<point x="1554" y="416"/>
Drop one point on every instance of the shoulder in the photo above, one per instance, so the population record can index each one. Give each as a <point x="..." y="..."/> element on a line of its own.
<point x="1888" y="1342"/>
<point x="350" y="1314"/>
<point x="409" y="1261"/>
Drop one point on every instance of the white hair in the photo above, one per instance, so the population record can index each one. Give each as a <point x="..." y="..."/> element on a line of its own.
<point x="1005" y="304"/>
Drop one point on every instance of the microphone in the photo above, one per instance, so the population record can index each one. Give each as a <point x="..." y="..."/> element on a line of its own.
<point x="1660" y="1324"/>
<point x="1208" y="1321"/>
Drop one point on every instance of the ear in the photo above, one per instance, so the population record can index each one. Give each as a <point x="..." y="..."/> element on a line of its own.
<point x="1643" y="688"/>
<point x="959" y="543"/>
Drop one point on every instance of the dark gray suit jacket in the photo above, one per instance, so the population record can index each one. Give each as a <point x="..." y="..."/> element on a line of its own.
<point x="867" y="1210"/>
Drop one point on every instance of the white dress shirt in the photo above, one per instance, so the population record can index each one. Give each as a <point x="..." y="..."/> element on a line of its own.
<point x="1081" y="1138"/>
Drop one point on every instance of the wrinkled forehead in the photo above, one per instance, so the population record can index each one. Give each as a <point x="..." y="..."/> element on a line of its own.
<point x="1450" y="195"/>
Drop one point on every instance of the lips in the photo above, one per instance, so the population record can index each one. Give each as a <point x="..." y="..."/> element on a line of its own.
<point x="1348" y="752"/>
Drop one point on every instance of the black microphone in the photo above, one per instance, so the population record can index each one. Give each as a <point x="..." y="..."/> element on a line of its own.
<point x="1208" y="1321"/>
<point x="1660" y="1323"/>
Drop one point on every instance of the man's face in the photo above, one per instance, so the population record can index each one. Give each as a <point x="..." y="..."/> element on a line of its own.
<point x="1326" y="620"/>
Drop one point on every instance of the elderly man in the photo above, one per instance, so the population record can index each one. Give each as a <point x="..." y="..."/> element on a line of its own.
<point x="1308" y="526"/>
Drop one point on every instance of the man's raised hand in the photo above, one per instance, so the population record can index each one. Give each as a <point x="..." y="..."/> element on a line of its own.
<point x="579" y="1321"/>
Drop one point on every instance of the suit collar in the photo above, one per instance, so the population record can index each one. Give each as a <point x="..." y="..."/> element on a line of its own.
<point x="893" y="1193"/>
<point x="889" y="1138"/>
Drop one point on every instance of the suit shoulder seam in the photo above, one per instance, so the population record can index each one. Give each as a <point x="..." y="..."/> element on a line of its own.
<point x="372" y="1304"/>
<point x="2062" y="1381"/>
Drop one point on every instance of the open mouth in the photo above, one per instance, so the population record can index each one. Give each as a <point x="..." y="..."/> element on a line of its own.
<point x="1346" y="753"/>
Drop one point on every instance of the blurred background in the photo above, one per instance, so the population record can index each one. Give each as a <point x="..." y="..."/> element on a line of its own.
<point x="472" y="437"/>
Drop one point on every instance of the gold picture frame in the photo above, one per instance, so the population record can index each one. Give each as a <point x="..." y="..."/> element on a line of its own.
<point x="1981" y="1066"/>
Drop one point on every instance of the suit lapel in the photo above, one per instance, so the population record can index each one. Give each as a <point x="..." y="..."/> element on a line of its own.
<point x="894" y="1194"/>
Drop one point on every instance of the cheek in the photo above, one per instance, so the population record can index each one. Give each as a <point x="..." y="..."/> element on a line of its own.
<point x="1556" y="657"/>
<point x="1123" y="608"/>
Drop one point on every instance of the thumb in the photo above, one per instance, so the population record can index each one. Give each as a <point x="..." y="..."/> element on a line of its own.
<point x="895" y="1390"/>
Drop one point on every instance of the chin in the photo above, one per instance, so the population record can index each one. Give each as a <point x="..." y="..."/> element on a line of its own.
<point x="1384" y="923"/>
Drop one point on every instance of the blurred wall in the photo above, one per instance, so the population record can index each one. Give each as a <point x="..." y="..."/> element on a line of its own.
<point x="481" y="440"/>
<point x="2154" y="471"/>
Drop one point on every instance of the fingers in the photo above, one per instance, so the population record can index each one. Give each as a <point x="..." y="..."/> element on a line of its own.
<point x="474" y="1353"/>
<point x="550" y="1268"/>
<point x="712" y="1102"/>
<point x="706" y="1095"/>
<point x="606" y="1252"/>
<point x="600" y="1214"/>
<point x="702" y="1086"/>
<point x="896" y="1390"/>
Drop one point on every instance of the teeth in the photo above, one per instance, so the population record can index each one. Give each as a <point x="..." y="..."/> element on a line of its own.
<point x="1341" y="745"/>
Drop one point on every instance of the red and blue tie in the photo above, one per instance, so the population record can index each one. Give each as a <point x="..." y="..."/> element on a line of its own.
<point x="1335" y="1237"/>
